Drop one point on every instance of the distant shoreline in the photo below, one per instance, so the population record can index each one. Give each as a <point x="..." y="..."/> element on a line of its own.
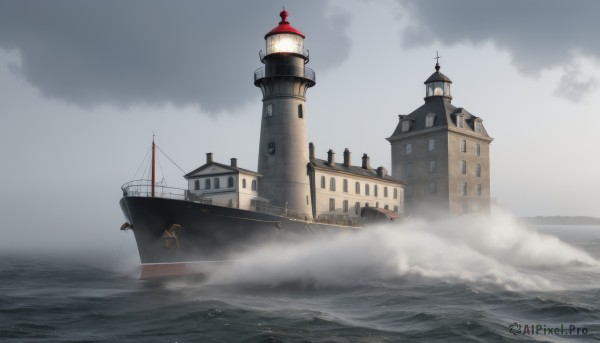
<point x="560" y="220"/>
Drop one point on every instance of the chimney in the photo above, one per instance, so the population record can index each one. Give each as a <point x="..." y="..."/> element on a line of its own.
<point x="311" y="151"/>
<point x="382" y="172"/>
<point x="366" y="162"/>
<point x="234" y="162"/>
<point x="209" y="157"/>
<point x="331" y="158"/>
<point x="347" y="158"/>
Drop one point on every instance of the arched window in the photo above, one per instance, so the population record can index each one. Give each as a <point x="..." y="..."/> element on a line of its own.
<point x="230" y="182"/>
<point x="243" y="183"/>
<point x="271" y="148"/>
<point x="197" y="184"/>
<point x="395" y="193"/>
<point x="367" y="189"/>
<point x="463" y="166"/>
<point x="375" y="190"/>
<point x="357" y="188"/>
<point x="385" y="193"/>
<point x="332" y="184"/>
<point x="345" y="185"/>
<point x="300" y="114"/>
<point x="253" y="185"/>
<point x="207" y="184"/>
<point x="331" y="204"/>
<point x="322" y="181"/>
<point x="463" y="146"/>
<point x="477" y="150"/>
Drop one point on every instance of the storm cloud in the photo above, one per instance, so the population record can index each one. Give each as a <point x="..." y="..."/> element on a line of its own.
<point x="538" y="34"/>
<point x="125" y="53"/>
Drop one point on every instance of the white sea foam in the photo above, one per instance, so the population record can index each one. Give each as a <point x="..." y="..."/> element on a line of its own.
<point x="480" y="249"/>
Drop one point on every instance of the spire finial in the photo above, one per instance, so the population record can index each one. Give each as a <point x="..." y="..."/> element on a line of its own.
<point x="283" y="15"/>
<point x="437" y="60"/>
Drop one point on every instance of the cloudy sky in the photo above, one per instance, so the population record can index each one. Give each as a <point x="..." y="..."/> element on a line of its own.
<point x="83" y="86"/>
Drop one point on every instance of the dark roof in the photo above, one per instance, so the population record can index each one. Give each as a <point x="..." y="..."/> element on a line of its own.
<point x="224" y="166"/>
<point x="445" y="113"/>
<point x="340" y="167"/>
<point x="437" y="76"/>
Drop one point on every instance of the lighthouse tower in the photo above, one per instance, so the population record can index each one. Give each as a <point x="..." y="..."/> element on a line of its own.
<point x="283" y="152"/>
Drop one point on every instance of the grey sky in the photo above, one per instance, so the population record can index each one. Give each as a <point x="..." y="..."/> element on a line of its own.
<point x="127" y="52"/>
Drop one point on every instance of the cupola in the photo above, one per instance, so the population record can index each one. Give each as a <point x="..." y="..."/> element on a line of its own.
<point x="438" y="84"/>
<point x="285" y="38"/>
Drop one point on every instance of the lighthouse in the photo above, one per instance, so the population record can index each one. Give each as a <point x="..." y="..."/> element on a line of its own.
<point x="283" y="154"/>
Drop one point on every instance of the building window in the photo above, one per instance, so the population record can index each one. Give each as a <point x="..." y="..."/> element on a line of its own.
<point x="429" y="120"/>
<point x="407" y="148"/>
<point x="385" y="193"/>
<point x="396" y="209"/>
<point x="463" y="189"/>
<point x="463" y="166"/>
<point x="395" y="193"/>
<point x="409" y="190"/>
<point x="478" y="170"/>
<point x="207" y="184"/>
<point x="477" y="149"/>
<point x="357" y="188"/>
<point x="331" y="204"/>
<point x="478" y="189"/>
<point x="460" y="121"/>
<point x="432" y="188"/>
<point x="253" y="185"/>
<point x="269" y="110"/>
<point x="300" y="114"/>
<point x="431" y="144"/>
<point x="322" y="181"/>
<point x="345" y="185"/>
<point x="243" y="183"/>
<point x="405" y="126"/>
<point x="375" y="191"/>
<point x="477" y="126"/>
<point x="357" y="208"/>
<point x="271" y="149"/>
<point x="345" y="205"/>
<point x="432" y="167"/>
<point x="332" y="184"/>
<point x="197" y="184"/>
<point x="367" y="189"/>
<point x="463" y="146"/>
<point x="409" y="172"/>
<point x="217" y="183"/>
<point x="230" y="182"/>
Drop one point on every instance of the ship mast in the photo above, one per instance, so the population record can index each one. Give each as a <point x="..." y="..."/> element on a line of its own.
<point x="153" y="165"/>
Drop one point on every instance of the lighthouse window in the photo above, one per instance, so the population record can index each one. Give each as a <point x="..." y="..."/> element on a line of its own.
<point x="432" y="166"/>
<point x="357" y="188"/>
<point x="217" y="183"/>
<point x="271" y="149"/>
<point x="197" y="184"/>
<point x="230" y="182"/>
<point x="408" y="149"/>
<point x="300" y="114"/>
<point x="253" y="185"/>
<point x="332" y="184"/>
<point x="429" y="120"/>
<point x="207" y="184"/>
<point x="431" y="145"/>
<point x="243" y="183"/>
<point x="322" y="181"/>
<point x="269" y="110"/>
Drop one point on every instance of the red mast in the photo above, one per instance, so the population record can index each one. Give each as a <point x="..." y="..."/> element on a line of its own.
<point x="153" y="166"/>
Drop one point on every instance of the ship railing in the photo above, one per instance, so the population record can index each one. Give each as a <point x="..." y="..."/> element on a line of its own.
<point x="143" y="188"/>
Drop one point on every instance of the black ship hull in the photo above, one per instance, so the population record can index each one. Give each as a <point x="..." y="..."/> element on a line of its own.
<point x="177" y="237"/>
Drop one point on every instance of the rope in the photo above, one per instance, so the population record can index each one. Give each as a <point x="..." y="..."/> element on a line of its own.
<point x="140" y="167"/>
<point x="167" y="156"/>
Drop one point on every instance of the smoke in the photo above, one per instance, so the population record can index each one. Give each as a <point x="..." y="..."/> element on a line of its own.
<point x="474" y="249"/>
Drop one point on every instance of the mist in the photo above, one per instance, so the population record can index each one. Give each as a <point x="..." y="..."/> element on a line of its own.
<point x="485" y="250"/>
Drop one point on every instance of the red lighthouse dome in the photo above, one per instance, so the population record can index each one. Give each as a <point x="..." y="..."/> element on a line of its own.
<point x="284" y="26"/>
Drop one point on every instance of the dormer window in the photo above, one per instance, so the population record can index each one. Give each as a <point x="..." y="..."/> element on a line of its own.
<point x="405" y="126"/>
<point x="429" y="119"/>
<point x="478" y="125"/>
<point x="460" y="121"/>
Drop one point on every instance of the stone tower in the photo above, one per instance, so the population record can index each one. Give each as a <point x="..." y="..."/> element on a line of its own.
<point x="441" y="152"/>
<point x="283" y="151"/>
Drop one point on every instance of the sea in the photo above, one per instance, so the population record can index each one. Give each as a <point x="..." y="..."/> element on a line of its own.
<point x="470" y="279"/>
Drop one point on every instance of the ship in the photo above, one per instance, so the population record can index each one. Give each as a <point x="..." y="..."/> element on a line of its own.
<point x="228" y="210"/>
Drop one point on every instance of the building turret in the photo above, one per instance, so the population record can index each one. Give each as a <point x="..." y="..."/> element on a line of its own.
<point x="283" y="153"/>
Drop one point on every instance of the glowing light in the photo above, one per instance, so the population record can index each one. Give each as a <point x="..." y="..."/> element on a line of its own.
<point x="438" y="91"/>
